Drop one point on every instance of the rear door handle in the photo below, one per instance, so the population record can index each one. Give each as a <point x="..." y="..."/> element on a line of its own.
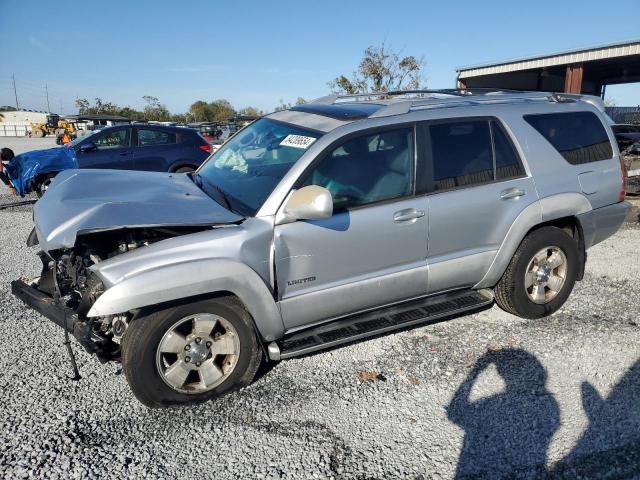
<point x="512" y="193"/>
<point x="407" y="215"/>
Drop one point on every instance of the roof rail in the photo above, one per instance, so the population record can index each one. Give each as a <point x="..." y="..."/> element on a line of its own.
<point x="417" y="93"/>
<point x="430" y="98"/>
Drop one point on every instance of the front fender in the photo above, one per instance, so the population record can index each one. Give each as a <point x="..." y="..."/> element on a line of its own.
<point x="188" y="279"/>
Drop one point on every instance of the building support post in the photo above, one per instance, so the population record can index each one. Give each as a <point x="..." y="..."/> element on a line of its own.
<point x="573" y="78"/>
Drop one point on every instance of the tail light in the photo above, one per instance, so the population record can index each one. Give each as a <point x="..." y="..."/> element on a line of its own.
<point x="623" y="188"/>
<point x="209" y="149"/>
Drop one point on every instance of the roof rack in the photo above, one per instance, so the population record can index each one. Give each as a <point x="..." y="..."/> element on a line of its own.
<point x="398" y="102"/>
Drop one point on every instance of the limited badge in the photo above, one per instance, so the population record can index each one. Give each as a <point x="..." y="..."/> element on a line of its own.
<point x="297" y="141"/>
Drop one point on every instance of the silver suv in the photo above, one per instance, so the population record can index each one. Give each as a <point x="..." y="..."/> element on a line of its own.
<point x="323" y="224"/>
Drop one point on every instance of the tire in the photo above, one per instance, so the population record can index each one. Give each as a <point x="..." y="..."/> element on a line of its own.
<point x="43" y="185"/>
<point x="541" y="298"/>
<point x="39" y="133"/>
<point x="149" y="371"/>
<point x="184" y="170"/>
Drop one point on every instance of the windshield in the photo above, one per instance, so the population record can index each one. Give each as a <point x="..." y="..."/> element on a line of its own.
<point x="246" y="169"/>
<point x="80" y="139"/>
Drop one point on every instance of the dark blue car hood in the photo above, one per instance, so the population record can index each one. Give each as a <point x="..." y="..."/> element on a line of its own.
<point x="27" y="166"/>
<point x="83" y="201"/>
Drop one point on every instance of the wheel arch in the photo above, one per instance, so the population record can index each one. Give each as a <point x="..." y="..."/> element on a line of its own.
<point x="190" y="280"/>
<point x="182" y="163"/>
<point x="561" y="211"/>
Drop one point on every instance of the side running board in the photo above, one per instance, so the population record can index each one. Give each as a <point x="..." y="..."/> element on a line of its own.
<point x="375" y="322"/>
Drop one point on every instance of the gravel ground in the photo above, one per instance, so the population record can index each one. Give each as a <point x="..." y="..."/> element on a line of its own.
<point x="487" y="395"/>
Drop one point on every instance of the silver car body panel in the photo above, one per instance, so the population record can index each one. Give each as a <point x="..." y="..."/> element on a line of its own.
<point x="465" y="239"/>
<point x="348" y="257"/>
<point x="232" y="259"/>
<point x="82" y="201"/>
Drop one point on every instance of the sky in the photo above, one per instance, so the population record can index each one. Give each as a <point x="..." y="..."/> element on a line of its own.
<point x="256" y="53"/>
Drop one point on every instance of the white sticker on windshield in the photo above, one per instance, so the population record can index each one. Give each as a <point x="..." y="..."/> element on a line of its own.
<point x="297" y="141"/>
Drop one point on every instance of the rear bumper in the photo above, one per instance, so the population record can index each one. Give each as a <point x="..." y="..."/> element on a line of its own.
<point x="601" y="223"/>
<point x="45" y="305"/>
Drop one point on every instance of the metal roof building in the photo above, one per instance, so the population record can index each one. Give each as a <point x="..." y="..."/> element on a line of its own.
<point x="586" y="70"/>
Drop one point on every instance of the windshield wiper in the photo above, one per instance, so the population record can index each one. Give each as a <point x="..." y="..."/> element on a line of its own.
<point x="223" y="195"/>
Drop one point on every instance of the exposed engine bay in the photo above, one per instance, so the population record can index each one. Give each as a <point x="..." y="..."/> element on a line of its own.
<point x="66" y="277"/>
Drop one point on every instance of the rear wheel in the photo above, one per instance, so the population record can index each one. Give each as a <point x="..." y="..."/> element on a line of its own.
<point x="39" y="133"/>
<point x="190" y="353"/>
<point x="541" y="274"/>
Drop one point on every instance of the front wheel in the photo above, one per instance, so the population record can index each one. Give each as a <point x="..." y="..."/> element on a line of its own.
<point x="541" y="274"/>
<point x="190" y="353"/>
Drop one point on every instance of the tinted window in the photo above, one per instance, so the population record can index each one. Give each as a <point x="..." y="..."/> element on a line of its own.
<point x="368" y="169"/>
<point x="507" y="161"/>
<point x="155" y="137"/>
<point x="113" y="139"/>
<point x="580" y="137"/>
<point x="462" y="153"/>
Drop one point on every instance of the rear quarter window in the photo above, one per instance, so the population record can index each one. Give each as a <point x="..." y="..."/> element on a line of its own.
<point x="579" y="137"/>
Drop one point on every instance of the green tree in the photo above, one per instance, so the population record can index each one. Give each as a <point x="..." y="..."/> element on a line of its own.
<point x="382" y="70"/>
<point x="251" y="111"/>
<point x="154" y="110"/>
<point x="215" y="111"/>
<point x="286" y="106"/>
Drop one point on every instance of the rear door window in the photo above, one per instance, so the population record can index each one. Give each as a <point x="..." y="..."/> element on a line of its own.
<point x="155" y="137"/>
<point x="462" y="153"/>
<point x="579" y="137"/>
<point x="507" y="161"/>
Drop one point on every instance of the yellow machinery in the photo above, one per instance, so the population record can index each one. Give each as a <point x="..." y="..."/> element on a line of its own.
<point x="54" y="126"/>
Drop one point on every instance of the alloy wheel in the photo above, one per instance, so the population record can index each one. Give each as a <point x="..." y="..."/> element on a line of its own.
<point x="546" y="274"/>
<point x="198" y="353"/>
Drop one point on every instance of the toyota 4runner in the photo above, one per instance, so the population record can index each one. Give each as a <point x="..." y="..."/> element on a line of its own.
<point x="323" y="224"/>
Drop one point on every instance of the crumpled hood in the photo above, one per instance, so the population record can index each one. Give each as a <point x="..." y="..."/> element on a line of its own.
<point x="27" y="166"/>
<point x="82" y="201"/>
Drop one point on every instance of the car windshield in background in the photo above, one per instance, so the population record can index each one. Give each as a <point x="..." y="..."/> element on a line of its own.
<point x="81" y="138"/>
<point x="246" y="169"/>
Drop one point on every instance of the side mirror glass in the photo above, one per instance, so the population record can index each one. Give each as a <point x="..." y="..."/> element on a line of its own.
<point x="88" y="147"/>
<point x="309" y="203"/>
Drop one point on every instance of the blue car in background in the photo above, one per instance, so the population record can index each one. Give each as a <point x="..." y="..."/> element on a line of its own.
<point x="122" y="147"/>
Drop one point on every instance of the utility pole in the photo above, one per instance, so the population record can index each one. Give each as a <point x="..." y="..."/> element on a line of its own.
<point x="46" y="89"/>
<point x="15" y="92"/>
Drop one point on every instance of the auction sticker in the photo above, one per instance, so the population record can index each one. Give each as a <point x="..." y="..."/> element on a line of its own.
<point x="297" y="141"/>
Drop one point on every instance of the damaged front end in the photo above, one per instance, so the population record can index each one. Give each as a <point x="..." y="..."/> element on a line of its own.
<point x="90" y="216"/>
<point x="66" y="289"/>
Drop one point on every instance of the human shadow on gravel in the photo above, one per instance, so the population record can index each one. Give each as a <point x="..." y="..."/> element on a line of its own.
<point x="511" y="429"/>
<point x="610" y="446"/>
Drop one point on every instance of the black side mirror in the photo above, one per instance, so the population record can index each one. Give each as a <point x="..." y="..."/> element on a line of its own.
<point x="88" y="147"/>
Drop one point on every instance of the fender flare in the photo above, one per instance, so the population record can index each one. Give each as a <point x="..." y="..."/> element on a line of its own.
<point x="544" y="210"/>
<point x="189" y="279"/>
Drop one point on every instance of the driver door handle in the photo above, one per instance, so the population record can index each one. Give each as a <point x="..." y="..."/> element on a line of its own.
<point x="407" y="215"/>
